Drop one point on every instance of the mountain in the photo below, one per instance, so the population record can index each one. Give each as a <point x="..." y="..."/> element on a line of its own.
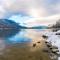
<point x="38" y="27"/>
<point x="9" y="28"/>
<point x="5" y="23"/>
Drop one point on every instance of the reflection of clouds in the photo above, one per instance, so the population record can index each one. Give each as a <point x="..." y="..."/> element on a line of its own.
<point x="19" y="38"/>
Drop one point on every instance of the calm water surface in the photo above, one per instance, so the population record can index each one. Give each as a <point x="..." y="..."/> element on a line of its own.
<point x="12" y="37"/>
<point x="18" y="38"/>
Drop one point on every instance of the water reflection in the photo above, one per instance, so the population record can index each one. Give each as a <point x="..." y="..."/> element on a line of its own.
<point x="4" y="33"/>
<point x="8" y="38"/>
<point x="18" y="38"/>
<point x="14" y="36"/>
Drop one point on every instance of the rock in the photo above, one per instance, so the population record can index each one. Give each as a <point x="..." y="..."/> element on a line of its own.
<point x="49" y="45"/>
<point x="57" y="33"/>
<point x="54" y="50"/>
<point x="53" y="56"/>
<point x="53" y="47"/>
<point x="34" y="45"/>
<point x="38" y="42"/>
<point x="44" y="36"/>
<point x="46" y="42"/>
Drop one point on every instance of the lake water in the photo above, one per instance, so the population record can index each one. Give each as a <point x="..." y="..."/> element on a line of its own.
<point x="13" y="37"/>
<point x="18" y="38"/>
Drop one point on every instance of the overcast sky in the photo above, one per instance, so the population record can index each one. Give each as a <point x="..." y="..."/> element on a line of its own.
<point x="30" y="10"/>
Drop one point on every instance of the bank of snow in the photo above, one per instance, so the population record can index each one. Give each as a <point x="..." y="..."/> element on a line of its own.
<point x="53" y="38"/>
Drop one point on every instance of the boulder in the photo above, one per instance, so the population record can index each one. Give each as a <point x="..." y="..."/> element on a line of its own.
<point x="54" y="50"/>
<point x="57" y="33"/>
<point x="44" y="36"/>
<point x="53" y="56"/>
<point x="49" y="44"/>
<point x="53" y="47"/>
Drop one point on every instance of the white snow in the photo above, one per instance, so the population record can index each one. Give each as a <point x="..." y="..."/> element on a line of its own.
<point x="54" y="39"/>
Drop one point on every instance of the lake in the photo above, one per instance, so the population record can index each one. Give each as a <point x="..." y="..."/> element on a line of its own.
<point x="24" y="38"/>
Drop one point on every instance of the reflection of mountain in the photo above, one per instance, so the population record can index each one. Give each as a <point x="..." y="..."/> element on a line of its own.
<point x="8" y="28"/>
<point x="38" y="27"/>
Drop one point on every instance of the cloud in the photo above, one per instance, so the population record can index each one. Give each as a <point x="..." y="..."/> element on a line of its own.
<point x="20" y="19"/>
<point x="50" y="20"/>
<point x="34" y="8"/>
<point x="28" y="7"/>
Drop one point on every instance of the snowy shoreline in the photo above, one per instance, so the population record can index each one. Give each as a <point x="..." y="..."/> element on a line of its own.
<point x="53" y="38"/>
